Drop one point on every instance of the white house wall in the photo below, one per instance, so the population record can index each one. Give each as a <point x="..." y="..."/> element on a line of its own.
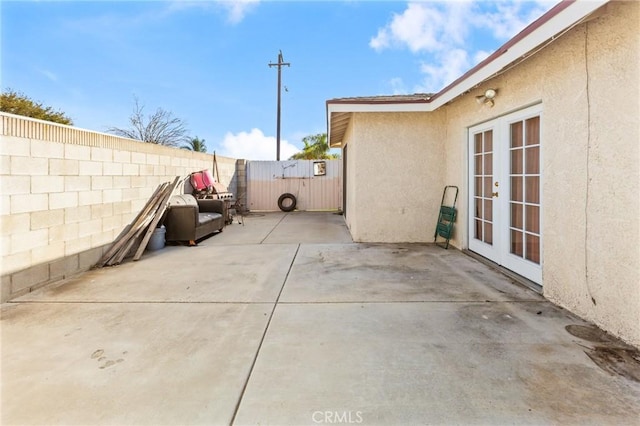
<point x="587" y="82"/>
<point x="395" y="189"/>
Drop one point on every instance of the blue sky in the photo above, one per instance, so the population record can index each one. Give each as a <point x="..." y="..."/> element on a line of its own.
<point x="207" y="61"/>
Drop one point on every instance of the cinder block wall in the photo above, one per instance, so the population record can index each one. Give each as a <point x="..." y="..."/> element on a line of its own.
<point x="66" y="193"/>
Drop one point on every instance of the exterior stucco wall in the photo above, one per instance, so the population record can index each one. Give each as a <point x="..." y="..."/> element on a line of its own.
<point x="608" y="289"/>
<point x="395" y="176"/>
<point x="588" y="84"/>
<point x="349" y="157"/>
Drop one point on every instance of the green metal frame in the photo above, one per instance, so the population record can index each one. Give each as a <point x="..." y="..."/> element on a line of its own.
<point x="446" y="217"/>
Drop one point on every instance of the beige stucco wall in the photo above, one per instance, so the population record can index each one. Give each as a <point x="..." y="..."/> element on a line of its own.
<point x="349" y="158"/>
<point x="605" y="173"/>
<point x="587" y="82"/>
<point x="66" y="193"/>
<point x="397" y="164"/>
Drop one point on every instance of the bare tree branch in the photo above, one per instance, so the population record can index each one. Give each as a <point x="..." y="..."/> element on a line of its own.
<point x="161" y="127"/>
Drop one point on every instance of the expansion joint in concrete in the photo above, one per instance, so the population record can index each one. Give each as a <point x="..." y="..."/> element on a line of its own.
<point x="264" y="334"/>
<point x="274" y="227"/>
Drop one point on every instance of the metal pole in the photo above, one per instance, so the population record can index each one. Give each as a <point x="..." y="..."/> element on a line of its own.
<point x="279" y="106"/>
<point x="280" y="64"/>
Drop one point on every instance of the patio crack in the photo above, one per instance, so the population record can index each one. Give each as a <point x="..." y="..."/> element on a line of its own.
<point x="264" y="334"/>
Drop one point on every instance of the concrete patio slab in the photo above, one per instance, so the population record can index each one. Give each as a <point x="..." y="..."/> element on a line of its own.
<point x="395" y="272"/>
<point x="429" y="363"/>
<point x="126" y="364"/>
<point x="253" y="228"/>
<point x="310" y="228"/>
<point x="271" y="322"/>
<point x="207" y="272"/>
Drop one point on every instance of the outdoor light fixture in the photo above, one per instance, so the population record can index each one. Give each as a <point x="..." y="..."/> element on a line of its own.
<point x="487" y="98"/>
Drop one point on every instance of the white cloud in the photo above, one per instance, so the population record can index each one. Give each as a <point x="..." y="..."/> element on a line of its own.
<point x="426" y="27"/>
<point x="51" y="76"/>
<point x="237" y="9"/>
<point x="451" y="65"/>
<point x="380" y="41"/>
<point x="440" y="32"/>
<point x="397" y="86"/>
<point x="510" y="17"/>
<point x="255" y="146"/>
<point x="480" y="56"/>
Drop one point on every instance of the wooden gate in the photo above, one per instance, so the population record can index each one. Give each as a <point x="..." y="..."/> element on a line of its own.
<point x="316" y="184"/>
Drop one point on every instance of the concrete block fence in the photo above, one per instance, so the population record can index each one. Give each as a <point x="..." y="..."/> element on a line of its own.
<point x="66" y="193"/>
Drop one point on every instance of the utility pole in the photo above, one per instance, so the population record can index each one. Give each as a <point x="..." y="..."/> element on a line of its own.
<point x="280" y="64"/>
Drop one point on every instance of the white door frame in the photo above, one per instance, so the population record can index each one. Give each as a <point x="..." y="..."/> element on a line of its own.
<point x="499" y="250"/>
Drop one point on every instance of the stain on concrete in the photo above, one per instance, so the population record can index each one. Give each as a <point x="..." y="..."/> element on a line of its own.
<point x="561" y="392"/>
<point x="610" y="354"/>
<point x="617" y="361"/>
<point x="99" y="355"/>
<point x="10" y="312"/>
<point x="590" y="333"/>
<point x="111" y="363"/>
<point x="547" y="310"/>
<point x="492" y="321"/>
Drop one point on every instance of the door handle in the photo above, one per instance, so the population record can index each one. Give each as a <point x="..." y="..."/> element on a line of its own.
<point x="494" y="194"/>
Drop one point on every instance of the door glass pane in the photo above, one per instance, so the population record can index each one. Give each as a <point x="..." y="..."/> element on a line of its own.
<point x="516" y="134"/>
<point x="488" y="164"/>
<point x="533" y="248"/>
<point x="517" y="214"/>
<point x="516" y="189"/>
<point x="533" y="219"/>
<point x="533" y="160"/>
<point x="532" y="189"/>
<point x="488" y="141"/>
<point x="488" y="209"/>
<point x="517" y="243"/>
<point x="478" y="186"/>
<point x="478" y="230"/>
<point x="478" y="169"/>
<point x="478" y="210"/>
<point x="488" y="182"/>
<point x="533" y="131"/>
<point x="488" y="233"/>
<point x="478" y="142"/>
<point x="516" y="161"/>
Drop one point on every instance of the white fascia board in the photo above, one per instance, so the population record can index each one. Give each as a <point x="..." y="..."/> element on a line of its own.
<point x="380" y="107"/>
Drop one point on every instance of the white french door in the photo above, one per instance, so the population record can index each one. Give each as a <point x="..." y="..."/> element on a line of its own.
<point x="505" y="192"/>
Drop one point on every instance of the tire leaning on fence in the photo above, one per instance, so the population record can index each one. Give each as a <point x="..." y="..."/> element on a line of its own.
<point x="287" y="202"/>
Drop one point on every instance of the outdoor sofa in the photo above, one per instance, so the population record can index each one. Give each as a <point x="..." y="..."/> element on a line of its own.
<point x="190" y="219"/>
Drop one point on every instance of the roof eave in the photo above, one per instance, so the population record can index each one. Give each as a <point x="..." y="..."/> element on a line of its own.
<point x="558" y="19"/>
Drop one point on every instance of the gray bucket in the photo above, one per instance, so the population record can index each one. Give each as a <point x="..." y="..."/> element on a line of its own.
<point x="156" y="242"/>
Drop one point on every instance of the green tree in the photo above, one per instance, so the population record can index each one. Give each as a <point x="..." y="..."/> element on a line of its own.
<point x="161" y="127"/>
<point x="18" y="103"/>
<point x="316" y="147"/>
<point x="195" y="144"/>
